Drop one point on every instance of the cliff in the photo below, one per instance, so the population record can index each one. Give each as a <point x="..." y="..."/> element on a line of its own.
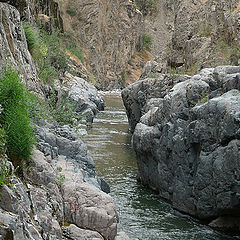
<point x="185" y="135"/>
<point x="109" y="33"/>
<point x="189" y="35"/>
<point x="55" y="194"/>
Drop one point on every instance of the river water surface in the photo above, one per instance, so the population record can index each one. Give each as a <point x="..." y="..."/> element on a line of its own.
<point x="142" y="214"/>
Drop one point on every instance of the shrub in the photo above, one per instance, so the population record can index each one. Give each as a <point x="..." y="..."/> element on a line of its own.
<point x="75" y="50"/>
<point x="30" y="36"/>
<point x="71" y="11"/>
<point x="147" y="42"/>
<point x="62" y="110"/>
<point x="15" y="118"/>
<point x="47" y="51"/>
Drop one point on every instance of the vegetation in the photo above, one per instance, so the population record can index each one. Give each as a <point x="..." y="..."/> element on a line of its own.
<point x="147" y="7"/>
<point x="15" y="117"/>
<point x="123" y="77"/>
<point x="62" y="110"/>
<point x="147" y="42"/>
<point x="228" y="51"/>
<point x="4" y="167"/>
<point x="75" y="50"/>
<point x="30" y="36"/>
<point x="205" y="30"/>
<point x="48" y="53"/>
<point x="71" y="11"/>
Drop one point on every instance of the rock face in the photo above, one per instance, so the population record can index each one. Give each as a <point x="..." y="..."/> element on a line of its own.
<point x="13" y="47"/>
<point x="60" y="186"/>
<point x="109" y="32"/>
<point x="31" y="10"/>
<point x="193" y="34"/>
<point x="88" y="101"/>
<point x="187" y="139"/>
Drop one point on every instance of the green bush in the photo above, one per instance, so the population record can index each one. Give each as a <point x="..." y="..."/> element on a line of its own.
<point x="147" y="42"/>
<point x="48" y="51"/>
<point x="30" y="36"/>
<point x="71" y="11"/>
<point x="75" y="50"/>
<point x="14" y="117"/>
<point x="62" y="110"/>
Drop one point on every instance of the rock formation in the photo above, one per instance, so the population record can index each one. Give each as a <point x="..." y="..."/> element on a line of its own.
<point x="13" y="47"/>
<point x="109" y="31"/>
<point x="58" y="195"/>
<point x="193" y="34"/>
<point x="186" y="137"/>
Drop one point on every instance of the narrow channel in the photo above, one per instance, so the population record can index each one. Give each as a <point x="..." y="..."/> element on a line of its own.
<point x="142" y="214"/>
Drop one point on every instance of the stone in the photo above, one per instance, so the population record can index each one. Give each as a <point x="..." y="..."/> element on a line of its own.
<point x="187" y="141"/>
<point x="13" y="47"/>
<point x="136" y="95"/>
<point x="75" y="233"/>
<point x="86" y="206"/>
<point x="122" y="236"/>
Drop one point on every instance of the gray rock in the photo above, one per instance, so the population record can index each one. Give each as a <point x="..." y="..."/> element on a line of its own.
<point x="122" y="236"/>
<point x="135" y="96"/>
<point x="85" y="205"/>
<point x="85" y="96"/>
<point x="76" y="233"/>
<point x="187" y="143"/>
<point x="14" y="48"/>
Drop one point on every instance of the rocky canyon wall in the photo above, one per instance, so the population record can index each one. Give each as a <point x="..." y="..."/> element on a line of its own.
<point x="194" y="34"/>
<point x="110" y="33"/>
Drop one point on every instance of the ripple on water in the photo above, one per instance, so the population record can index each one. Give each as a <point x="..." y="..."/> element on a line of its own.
<point x="142" y="214"/>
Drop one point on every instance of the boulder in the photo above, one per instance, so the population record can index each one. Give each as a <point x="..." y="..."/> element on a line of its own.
<point x="75" y="233"/>
<point x="187" y="143"/>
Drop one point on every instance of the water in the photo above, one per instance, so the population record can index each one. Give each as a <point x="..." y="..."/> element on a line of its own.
<point x="143" y="214"/>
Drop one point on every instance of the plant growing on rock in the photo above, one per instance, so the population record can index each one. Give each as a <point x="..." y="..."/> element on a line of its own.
<point x="147" y="42"/>
<point x="15" y="118"/>
<point x="48" y="51"/>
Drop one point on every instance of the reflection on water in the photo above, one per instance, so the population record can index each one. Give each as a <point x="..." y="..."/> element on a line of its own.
<point x="143" y="215"/>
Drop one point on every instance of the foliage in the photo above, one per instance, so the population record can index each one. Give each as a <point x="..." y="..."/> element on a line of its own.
<point x="147" y="7"/>
<point x="15" y="118"/>
<point x="123" y="77"/>
<point x="62" y="110"/>
<point x="147" y="42"/>
<point x="71" y="11"/>
<point x="60" y="179"/>
<point x="30" y="36"/>
<point x="152" y="75"/>
<point x="47" y="51"/>
<point x="205" y="30"/>
<point x="229" y="52"/>
<point x="75" y="50"/>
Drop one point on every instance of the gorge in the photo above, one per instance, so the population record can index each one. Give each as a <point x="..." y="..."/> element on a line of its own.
<point x="70" y="169"/>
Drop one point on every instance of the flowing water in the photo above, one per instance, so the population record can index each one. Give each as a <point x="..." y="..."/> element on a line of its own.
<point x="142" y="214"/>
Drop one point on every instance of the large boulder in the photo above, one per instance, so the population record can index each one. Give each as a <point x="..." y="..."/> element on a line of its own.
<point x="187" y="143"/>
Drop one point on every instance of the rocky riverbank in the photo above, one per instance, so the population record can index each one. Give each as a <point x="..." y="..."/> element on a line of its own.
<point x="57" y="194"/>
<point x="186" y="137"/>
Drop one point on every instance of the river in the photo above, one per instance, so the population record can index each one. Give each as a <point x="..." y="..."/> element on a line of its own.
<point x="142" y="213"/>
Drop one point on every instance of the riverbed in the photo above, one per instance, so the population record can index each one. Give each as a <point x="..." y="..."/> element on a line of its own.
<point x="143" y="215"/>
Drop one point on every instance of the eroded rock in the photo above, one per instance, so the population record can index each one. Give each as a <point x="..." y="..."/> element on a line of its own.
<point x="187" y="143"/>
